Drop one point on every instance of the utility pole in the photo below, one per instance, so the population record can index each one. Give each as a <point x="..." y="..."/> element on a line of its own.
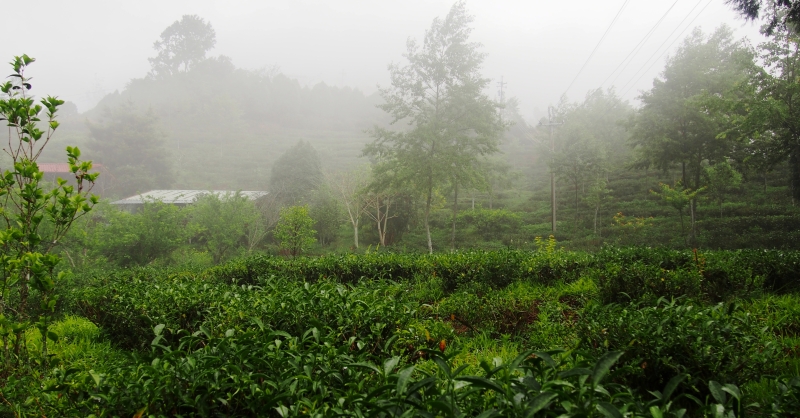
<point x="551" y="124"/>
<point x="501" y="92"/>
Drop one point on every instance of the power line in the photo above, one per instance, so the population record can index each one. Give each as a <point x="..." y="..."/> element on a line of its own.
<point x="637" y="48"/>
<point x="597" y="46"/>
<point x="670" y="46"/>
<point x="656" y="51"/>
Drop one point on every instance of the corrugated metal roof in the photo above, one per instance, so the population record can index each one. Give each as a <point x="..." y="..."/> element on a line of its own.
<point x="182" y="197"/>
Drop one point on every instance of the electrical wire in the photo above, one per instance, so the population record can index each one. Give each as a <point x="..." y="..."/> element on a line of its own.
<point x="598" y="45"/>
<point x="666" y="50"/>
<point x="637" y="48"/>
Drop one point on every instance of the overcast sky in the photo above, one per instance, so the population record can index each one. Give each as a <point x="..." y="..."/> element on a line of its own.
<point x="85" y="49"/>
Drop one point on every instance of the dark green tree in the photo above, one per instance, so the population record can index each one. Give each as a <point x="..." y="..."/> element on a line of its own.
<point x="678" y="123"/>
<point x="295" y="230"/>
<point x="439" y="94"/>
<point x="296" y="174"/>
<point x="768" y="119"/>
<point x="220" y="223"/>
<point x="130" y="145"/>
<point x="778" y="14"/>
<point x="183" y="45"/>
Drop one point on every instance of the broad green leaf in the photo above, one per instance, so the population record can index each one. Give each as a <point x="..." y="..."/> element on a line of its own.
<point x="604" y="365"/>
<point x="716" y="391"/>
<point x="481" y="382"/>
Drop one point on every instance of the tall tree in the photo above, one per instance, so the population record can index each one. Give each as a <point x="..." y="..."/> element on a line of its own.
<point x="183" y="45"/>
<point x="130" y="145"/>
<point x="452" y="123"/>
<point x="675" y="124"/>
<point x="769" y="122"/>
<point x="296" y="173"/>
<point x="778" y="14"/>
<point x="348" y="188"/>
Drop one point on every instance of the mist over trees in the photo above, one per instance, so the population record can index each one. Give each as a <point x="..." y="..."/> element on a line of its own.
<point x="408" y="160"/>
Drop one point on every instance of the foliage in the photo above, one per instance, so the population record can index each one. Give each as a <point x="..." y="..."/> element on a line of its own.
<point x="722" y="179"/>
<point x="36" y="216"/>
<point x="296" y="174"/>
<point x="295" y="230"/>
<point x="131" y="147"/>
<point x="675" y="337"/>
<point x="182" y="46"/>
<point x="222" y="223"/>
<point x="491" y="224"/>
<point x="453" y="123"/>
<point x="154" y="231"/>
<point x="327" y="215"/>
<point x="676" y="125"/>
<point x="678" y="197"/>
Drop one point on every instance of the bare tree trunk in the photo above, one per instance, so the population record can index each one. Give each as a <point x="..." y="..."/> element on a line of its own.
<point x="427" y="214"/>
<point x="692" y="208"/>
<point x="355" y="233"/>
<point x="455" y="213"/>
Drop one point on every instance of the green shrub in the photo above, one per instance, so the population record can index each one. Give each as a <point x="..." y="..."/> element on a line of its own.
<point x="668" y="339"/>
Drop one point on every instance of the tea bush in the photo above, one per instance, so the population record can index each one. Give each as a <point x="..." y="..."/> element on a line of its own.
<point x="668" y="338"/>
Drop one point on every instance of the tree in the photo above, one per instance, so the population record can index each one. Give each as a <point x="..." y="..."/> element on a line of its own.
<point x="677" y="123"/>
<point x="679" y="198"/>
<point x="295" y="230"/>
<point x="722" y="179"/>
<point x="348" y="187"/>
<point x="130" y="145"/>
<point x="779" y="14"/>
<point x="296" y="174"/>
<point x="154" y="231"/>
<point x="597" y="194"/>
<point x="36" y="216"/>
<point x="327" y="215"/>
<point x="451" y="123"/>
<point x="768" y="121"/>
<point x="221" y="223"/>
<point x="183" y="45"/>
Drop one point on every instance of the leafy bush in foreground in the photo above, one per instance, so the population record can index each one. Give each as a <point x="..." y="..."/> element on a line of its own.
<point x="723" y="342"/>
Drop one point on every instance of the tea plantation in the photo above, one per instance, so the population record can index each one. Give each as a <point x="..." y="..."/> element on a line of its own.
<point x="632" y="332"/>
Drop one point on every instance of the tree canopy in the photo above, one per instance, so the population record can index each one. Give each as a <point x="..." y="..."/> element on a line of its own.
<point x="182" y="45"/>
<point x="451" y="122"/>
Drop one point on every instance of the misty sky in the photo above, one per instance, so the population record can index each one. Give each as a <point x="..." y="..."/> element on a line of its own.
<point x="85" y="49"/>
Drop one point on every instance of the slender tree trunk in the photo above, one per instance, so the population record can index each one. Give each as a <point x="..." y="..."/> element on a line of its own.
<point x="455" y="214"/>
<point x="378" y="219"/>
<point x="355" y="233"/>
<point x="427" y="214"/>
<point x="692" y="210"/>
<point x="683" y="228"/>
<point x="794" y="163"/>
<point x="596" y="210"/>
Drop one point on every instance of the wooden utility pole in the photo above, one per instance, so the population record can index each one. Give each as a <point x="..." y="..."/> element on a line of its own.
<point x="552" y="124"/>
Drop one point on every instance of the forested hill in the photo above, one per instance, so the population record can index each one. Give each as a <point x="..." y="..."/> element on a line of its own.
<point x="222" y="126"/>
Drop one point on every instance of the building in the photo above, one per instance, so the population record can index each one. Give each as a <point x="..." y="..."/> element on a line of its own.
<point x="177" y="197"/>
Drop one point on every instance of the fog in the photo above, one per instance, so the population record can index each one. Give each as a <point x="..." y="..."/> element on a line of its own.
<point x="86" y="49"/>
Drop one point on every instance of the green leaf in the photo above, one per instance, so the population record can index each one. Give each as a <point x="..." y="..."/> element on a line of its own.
<point x="540" y="402"/>
<point x="608" y="410"/>
<point x="733" y="390"/>
<point x="655" y="411"/>
<point x="716" y="391"/>
<point x="390" y="364"/>
<point x="604" y="365"/>
<point x="481" y="382"/>
<point x="671" y="386"/>
<point x="158" y="328"/>
<point x="402" y="379"/>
